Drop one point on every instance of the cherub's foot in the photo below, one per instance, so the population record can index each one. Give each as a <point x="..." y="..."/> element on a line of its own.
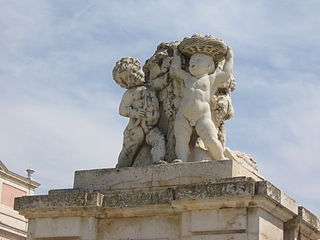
<point x="177" y="161"/>
<point x="161" y="162"/>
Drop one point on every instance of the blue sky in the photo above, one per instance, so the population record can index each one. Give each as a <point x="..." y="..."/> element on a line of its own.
<point x="59" y="104"/>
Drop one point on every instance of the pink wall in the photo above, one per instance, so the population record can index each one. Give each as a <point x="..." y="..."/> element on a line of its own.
<point x="9" y="193"/>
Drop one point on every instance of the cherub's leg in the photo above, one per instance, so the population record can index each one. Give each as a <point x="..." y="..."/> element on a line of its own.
<point x="156" y="140"/>
<point x="182" y="133"/>
<point x="132" y="141"/>
<point x="209" y="135"/>
<point x="222" y="134"/>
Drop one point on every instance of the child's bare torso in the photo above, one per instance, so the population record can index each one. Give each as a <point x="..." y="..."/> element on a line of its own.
<point x="195" y="98"/>
<point x="137" y="96"/>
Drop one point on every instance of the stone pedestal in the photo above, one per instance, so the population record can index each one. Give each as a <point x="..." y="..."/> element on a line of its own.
<point x="216" y="200"/>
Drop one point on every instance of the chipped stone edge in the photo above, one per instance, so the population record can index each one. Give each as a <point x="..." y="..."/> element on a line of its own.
<point x="309" y="218"/>
<point x="232" y="188"/>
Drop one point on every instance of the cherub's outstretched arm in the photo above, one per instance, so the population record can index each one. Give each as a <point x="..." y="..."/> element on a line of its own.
<point x="126" y="109"/>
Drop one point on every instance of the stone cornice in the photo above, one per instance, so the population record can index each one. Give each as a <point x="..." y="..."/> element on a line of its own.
<point x="223" y="193"/>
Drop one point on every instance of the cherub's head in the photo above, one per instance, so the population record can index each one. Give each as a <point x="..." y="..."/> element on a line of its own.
<point x="207" y="50"/>
<point x="201" y="64"/>
<point x="128" y="73"/>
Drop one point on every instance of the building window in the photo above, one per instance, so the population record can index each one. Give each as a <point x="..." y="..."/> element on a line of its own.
<point x="9" y="193"/>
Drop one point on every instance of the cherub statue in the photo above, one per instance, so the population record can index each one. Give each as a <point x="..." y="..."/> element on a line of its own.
<point x="199" y="86"/>
<point x="141" y="105"/>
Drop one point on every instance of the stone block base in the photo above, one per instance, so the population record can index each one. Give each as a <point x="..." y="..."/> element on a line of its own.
<point x="239" y="208"/>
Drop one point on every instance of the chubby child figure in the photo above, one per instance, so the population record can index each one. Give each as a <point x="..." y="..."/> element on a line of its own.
<point x="140" y="104"/>
<point x="194" y="111"/>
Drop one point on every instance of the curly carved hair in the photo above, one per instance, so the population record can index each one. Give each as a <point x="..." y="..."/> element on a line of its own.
<point x="127" y="73"/>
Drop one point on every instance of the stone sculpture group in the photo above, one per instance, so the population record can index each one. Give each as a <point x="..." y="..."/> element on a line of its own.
<point x="177" y="102"/>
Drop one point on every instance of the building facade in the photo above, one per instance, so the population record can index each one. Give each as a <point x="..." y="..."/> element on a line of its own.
<point x="13" y="226"/>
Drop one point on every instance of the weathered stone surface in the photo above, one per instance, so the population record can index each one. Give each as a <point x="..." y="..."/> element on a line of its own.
<point x="200" y="200"/>
<point x="137" y="228"/>
<point x="226" y="219"/>
<point x="264" y="225"/>
<point x="158" y="176"/>
<point x="309" y="217"/>
<point x="63" y="228"/>
<point x="59" y="200"/>
<point x="139" y="199"/>
<point x="218" y="188"/>
<point x="303" y="226"/>
<point x="248" y="188"/>
<point x="267" y="189"/>
<point x="229" y="208"/>
<point x="207" y="190"/>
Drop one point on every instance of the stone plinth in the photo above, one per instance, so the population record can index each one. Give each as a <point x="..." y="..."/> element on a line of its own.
<point x="157" y="177"/>
<point x="168" y="202"/>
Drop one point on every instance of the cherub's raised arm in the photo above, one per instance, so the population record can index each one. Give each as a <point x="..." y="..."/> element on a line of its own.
<point x="175" y="68"/>
<point x="222" y="77"/>
<point x="228" y="65"/>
